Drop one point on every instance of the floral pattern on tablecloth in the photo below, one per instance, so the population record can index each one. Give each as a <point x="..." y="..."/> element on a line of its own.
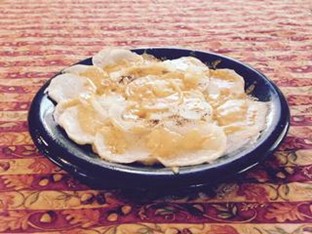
<point x="39" y="38"/>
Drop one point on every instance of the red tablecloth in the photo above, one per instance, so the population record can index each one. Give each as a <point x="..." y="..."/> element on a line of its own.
<point x="38" y="38"/>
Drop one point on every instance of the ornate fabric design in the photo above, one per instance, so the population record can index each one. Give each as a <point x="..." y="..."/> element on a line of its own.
<point x="39" y="38"/>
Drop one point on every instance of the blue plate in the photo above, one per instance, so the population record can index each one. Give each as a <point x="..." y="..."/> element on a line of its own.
<point x="81" y="162"/>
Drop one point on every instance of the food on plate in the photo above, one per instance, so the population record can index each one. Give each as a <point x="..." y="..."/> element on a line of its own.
<point x="137" y="108"/>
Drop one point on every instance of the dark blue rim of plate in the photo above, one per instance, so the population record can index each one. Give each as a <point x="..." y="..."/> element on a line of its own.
<point x="81" y="162"/>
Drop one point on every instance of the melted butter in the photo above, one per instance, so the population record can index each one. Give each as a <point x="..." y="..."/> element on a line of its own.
<point x="96" y="75"/>
<point x="231" y="111"/>
<point x="121" y="64"/>
<point x="223" y="96"/>
<point x="173" y="75"/>
<point x="139" y="89"/>
<point x="88" y="118"/>
<point x="141" y="130"/>
<point x="162" y="88"/>
<point x="192" y="140"/>
<point x="230" y="129"/>
<point x="145" y="111"/>
<point x="156" y="69"/>
<point x="150" y="90"/>
<point x="185" y="81"/>
<point x="225" y="74"/>
<point x="163" y="142"/>
<point x="70" y="103"/>
<point x="115" y="139"/>
<point x="149" y="107"/>
<point x="110" y="86"/>
<point x="191" y="80"/>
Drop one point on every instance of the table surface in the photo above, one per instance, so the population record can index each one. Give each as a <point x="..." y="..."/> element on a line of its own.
<point x="39" y="38"/>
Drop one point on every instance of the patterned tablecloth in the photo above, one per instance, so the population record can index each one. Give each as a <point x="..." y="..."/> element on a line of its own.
<point x="38" y="38"/>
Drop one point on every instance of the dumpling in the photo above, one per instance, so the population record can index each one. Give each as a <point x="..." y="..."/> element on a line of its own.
<point x="110" y="57"/>
<point x="113" y="145"/>
<point x="191" y="144"/>
<point x="80" y="120"/>
<point x="67" y="86"/>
